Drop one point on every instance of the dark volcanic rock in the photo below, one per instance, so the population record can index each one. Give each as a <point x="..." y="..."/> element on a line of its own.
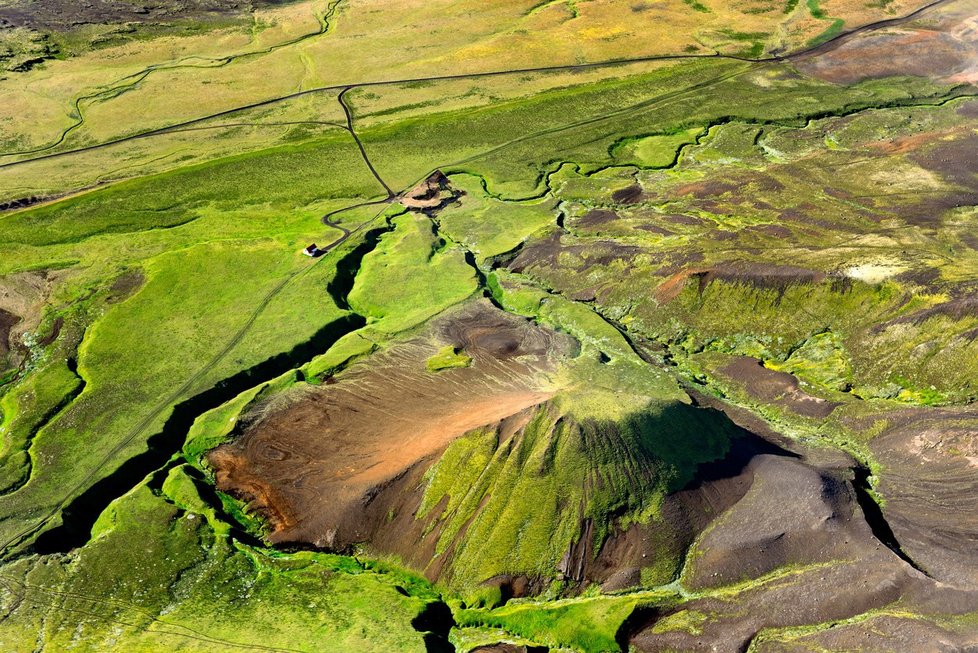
<point x="930" y="481"/>
<point x="7" y="321"/>
<point x="883" y="634"/>
<point x="793" y="514"/>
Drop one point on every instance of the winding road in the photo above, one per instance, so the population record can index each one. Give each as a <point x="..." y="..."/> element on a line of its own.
<point x="815" y="50"/>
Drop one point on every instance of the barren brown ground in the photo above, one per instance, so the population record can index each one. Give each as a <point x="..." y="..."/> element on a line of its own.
<point x="942" y="44"/>
<point x="7" y="321"/>
<point x="313" y="465"/>
<point x="930" y="480"/>
<point x="432" y="193"/>
<point x="775" y="387"/>
<point x="795" y="527"/>
<point x="22" y="301"/>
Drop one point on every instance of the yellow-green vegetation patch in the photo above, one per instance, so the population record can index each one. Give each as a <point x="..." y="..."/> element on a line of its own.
<point x="344" y="351"/>
<point x="179" y="488"/>
<point x="469" y="638"/>
<point x="489" y="226"/>
<point x="690" y="621"/>
<point x="821" y="360"/>
<point x="412" y="275"/>
<point x="448" y="357"/>
<point x="656" y="150"/>
<point x="26" y="409"/>
<point x="587" y="624"/>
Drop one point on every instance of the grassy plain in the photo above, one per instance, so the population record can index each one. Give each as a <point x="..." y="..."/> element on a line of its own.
<point x="120" y="80"/>
<point x="182" y="280"/>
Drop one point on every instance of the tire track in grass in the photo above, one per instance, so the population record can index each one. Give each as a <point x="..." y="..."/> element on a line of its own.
<point x="363" y="152"/>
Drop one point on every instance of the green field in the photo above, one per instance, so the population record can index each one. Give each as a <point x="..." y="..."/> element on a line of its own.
<point x="672" y="205"/>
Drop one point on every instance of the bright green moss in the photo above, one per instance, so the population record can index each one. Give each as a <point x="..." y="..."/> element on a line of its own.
<point x="448" y="357"/>
<point x="412" y="275"/>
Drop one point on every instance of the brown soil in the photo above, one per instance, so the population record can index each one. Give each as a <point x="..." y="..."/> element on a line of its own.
<point x="953" y="155"/>
<point x="804" y="512"/>
<point x="685" y="220"/>
<point x="791" y="512"/>
<point x="631" y="195"/>
<point x="900" y="145"/>
<point x="779" y="388"/>
<point x="596" y="217"/>
<point x="797" y="513"/>
<point x="7" y="321"/>
<point x="552" y="253"/>
<point x="770" y="230"/>
<point x="968" y="109"/>
<point x="943" y="44"/>
<point x="126" y="285"/>
<point x="654" y="229"/>
<point x="318" y="458"/>
<point x="433" y="193"/>
<point x="22" y="301"/>
<point x="794" y="513"/>
<point x="929" y="459"/>
<point x="706" y="189"/>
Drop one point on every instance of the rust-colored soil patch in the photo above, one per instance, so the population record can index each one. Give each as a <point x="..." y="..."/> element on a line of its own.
<point x="669" y="289"/>
<point x="315" y="461"/>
